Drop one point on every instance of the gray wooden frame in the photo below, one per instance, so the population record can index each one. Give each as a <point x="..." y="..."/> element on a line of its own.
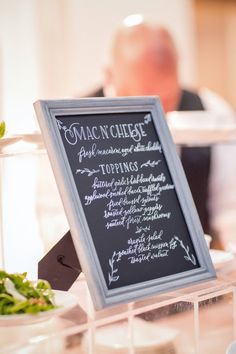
<point x="102" y="297"/>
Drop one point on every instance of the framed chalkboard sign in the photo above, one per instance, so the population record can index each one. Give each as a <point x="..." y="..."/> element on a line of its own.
<point x="132" y="218"/>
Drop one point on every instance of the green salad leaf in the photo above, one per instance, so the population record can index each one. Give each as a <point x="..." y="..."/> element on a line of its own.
<point x="2" y="128"/>
<point x="19" y="295"/>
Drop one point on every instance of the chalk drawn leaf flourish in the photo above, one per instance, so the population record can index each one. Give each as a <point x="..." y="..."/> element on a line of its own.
<point x="111" y="276"/>
<point x="59" y="124"/>
<point x="147" y="118"/>
<point x="150" y="163"/>
<point x="87" y="170"/>
<point x="188" y="256"/>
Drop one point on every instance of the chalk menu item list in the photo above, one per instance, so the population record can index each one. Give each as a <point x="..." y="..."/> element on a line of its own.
<point x="132" y="218"/>
<point x="128" y="196"/>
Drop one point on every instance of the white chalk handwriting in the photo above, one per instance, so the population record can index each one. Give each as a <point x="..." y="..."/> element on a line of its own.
<point x="146" y="248"/>
<point x="78" y="132"/>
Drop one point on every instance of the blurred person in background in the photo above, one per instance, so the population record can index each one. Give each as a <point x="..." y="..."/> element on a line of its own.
<point x="143" y="60"/>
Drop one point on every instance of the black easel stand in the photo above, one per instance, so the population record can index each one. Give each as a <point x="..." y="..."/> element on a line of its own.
<point x="60" y="266"/>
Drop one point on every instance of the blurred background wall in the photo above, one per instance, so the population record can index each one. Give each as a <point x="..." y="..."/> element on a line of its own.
<point x="56" y="48"/>
<point x="215" y="28"/>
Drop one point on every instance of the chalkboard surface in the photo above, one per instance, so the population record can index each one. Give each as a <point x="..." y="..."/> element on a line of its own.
<point x="129" y="192"/>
